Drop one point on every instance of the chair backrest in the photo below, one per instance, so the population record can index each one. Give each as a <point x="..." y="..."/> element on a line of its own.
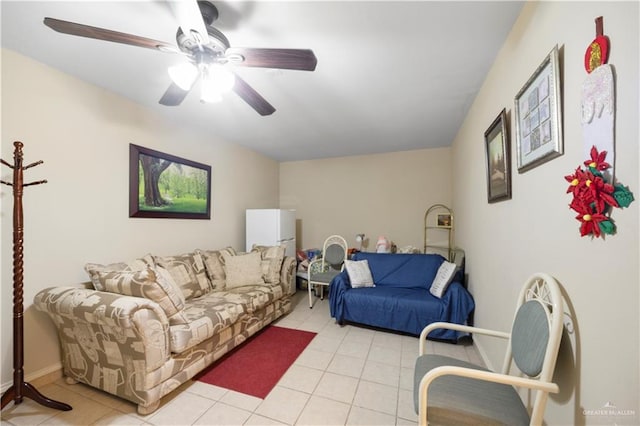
<point x="536" y="334"/>
<point x="334" y="252"/>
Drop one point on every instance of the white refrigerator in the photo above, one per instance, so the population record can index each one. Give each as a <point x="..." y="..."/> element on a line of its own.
<point x="272" y="227"/>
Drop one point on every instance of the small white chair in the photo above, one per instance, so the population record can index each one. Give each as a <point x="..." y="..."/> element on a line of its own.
<point x="450" y="391"/>
<point x="322" y="271"/>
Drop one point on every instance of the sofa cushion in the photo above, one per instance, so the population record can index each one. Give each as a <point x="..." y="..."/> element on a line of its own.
<point x="401" y="309"/>
<point x="134" y="265"/>
<point x="188" y="272"/>
<point x="402" y="270"/>
<point x="153" y="284"/>
<point x="242" y="270"/>
<point x="256" y="297"/>
<point x="359" y="273"/>
<point x="271" y="263"/>
<point x="214" y="312"/>
<point x="444" y="276"/>
<point x="214" y="266"/>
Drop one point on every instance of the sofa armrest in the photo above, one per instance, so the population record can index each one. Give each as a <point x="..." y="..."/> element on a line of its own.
<point x="107" y="329"/>
<point x="288" y="275"/>
<point x="339" y="286"/>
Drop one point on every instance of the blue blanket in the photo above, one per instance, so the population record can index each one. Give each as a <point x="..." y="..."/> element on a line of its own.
<point x="401" y="300"/>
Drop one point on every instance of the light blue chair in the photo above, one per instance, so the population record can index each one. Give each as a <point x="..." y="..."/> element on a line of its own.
<point x="321" y="271"/>
<point x="450" y="391"/>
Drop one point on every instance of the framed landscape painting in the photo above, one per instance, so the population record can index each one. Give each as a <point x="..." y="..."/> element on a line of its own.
<point x="165" y="186"/>
<point x="496" y="140"/>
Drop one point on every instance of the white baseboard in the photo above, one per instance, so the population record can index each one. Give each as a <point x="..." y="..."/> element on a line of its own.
<point x="54" y="371"/>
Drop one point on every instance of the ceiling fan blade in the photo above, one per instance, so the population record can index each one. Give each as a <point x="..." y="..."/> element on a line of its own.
<point x="253" y="98"/>
<point x="189" y="17"/>
<point x="81" y="30"/>
<point x="173" y="96"/>
<point x="289" y="59"/>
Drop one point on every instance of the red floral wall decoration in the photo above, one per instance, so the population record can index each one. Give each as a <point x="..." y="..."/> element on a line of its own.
<point x="594" y="197"/>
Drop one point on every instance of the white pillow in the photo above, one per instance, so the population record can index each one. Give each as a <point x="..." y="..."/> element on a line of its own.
<point x="359" y="273"/>
<point x="443" y="278"/>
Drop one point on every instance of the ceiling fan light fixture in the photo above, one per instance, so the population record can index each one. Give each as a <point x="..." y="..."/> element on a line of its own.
<point x="216" y="80"/>
<point x="222" y="78"/>
<point x="209" y="93"/>
<point x="183" y="75"/>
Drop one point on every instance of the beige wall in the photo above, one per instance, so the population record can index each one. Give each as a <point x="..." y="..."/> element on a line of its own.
<point x="381" y="194"/>
<point x="83" y="133"/>
<point x="535" y="231"/>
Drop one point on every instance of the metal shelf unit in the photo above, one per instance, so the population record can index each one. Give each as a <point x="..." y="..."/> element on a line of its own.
<point x="438" y="222"/>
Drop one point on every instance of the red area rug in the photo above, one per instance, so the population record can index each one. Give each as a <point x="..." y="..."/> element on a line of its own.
<point x="255" y="367"/>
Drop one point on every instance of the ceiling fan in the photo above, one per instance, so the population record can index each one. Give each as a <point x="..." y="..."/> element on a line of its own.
<point x="207" y="51"/>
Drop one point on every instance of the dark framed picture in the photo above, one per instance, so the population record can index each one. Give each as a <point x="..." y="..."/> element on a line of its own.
<point x="165" y="186"/>
<point x="538" y="116"/>
<point x="444" y="220"/>
<point x="496" y="141"/>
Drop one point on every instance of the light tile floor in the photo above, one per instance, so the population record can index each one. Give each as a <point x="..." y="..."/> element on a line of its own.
<point x="348" y="375"/>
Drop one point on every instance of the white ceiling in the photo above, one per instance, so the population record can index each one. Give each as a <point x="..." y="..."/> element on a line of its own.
<point x="391" y="76"/>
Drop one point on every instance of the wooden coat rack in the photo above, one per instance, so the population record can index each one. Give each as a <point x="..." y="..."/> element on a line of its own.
<point x="20" y="388"/>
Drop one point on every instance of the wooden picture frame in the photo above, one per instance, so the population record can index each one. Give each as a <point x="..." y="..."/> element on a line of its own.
<point x="165" y="186"/>
<point x="538" y="115"/>
<point x="498" y="159"/>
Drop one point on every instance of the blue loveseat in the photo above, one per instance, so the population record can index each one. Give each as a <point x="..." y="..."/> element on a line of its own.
<point x="401" y="299"/>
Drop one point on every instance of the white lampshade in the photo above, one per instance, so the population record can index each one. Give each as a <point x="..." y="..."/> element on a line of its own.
<point x="209" y="93"/>
<point x="222" y="77"/>
<point x="183" y="75"/>
<point x="216" y="80"/>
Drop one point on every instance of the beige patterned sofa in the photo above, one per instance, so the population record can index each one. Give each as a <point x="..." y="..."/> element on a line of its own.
<point x="149" y="325"/>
